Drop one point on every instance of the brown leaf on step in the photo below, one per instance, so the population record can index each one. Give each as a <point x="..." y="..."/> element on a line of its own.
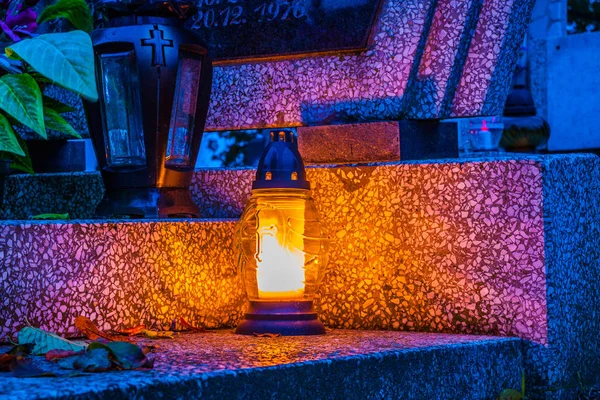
<point x="89" y="329"/>
<point x="5" y="361"/>
<point x="269" y="335"/>
<point x="189" y="326"/>
<point x="136" y="330"/>
<point x="22" y="367"/>
<point x="54" y="355"/>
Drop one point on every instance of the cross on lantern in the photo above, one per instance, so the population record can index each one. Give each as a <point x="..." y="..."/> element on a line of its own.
<point x="158" y="43"/>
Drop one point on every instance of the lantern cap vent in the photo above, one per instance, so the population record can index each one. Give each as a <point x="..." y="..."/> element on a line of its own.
<point x="281" y="166"/>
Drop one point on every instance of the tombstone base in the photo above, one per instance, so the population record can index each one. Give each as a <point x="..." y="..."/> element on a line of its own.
<point x="378" y="141"/>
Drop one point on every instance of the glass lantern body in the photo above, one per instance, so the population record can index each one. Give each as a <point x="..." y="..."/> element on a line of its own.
<point x="282" y="246"/>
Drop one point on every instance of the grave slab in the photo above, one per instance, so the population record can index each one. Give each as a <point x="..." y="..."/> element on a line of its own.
<point x="495" y="246"/>
<point x="378" y="141"/>
<point x="428" y="59"/>
<point x="341" y="364"/>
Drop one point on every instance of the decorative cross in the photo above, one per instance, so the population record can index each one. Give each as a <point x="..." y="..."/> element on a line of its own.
<point x="158" y="43"/>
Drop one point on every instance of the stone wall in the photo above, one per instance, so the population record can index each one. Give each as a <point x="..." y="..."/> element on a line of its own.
<point x="487" y="246"/>
<point x="429" y="59"/>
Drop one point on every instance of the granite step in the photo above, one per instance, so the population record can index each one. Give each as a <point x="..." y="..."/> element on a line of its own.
<point x="342" y="364"/>
<point x="504" y="247"/>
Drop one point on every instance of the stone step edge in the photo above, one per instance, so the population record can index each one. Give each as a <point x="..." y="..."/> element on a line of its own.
<point x="470" y="369"/>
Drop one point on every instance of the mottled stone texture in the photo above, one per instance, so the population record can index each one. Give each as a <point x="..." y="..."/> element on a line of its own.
<point x="340" y="365"/>
<point x="482" y="246"/>
<point x="423" y="52"/>
<point x="350" y="143"/>
<point x="488" y="70"/>
<point x="117" y="274"/>
<point x="572" y="251"/>
<point x="378" y="141"/>
<point x="454" y="247"/>
<point x="77" y="194"/>
<point x="432" y="90"/>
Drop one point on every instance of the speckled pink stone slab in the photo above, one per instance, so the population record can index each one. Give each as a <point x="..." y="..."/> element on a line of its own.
<point x="428" y="59"/>
<point x="443" y="247"/>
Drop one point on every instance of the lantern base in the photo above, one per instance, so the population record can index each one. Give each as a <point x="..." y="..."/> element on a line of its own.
<point x="148" y="203"/>
<point x="287" y="318"/>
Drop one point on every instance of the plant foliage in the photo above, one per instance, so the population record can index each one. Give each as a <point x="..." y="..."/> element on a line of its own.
<point x="68" y="60"/>
<point x="32" y="61"/>
<point x="76" y="12"/>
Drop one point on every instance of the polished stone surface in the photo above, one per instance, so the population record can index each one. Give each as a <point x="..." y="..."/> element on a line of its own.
<point x="340" y="364"/>
<point x="428" y="59"/>
<point x="255" y="28"/>
<point x="378" y="142"/>
<point x="501" y="246"/>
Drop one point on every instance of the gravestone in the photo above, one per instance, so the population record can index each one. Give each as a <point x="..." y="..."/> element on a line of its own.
<point x="242" y="29"/>
<point x="426" y="60"/>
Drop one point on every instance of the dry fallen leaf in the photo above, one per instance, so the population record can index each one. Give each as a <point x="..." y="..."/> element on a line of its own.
<point x="95" y="360"/>
<point x="136" y="330"/>
<point x="5" y="361"/>
<point x="45" y="341"/>
<point x="159" y="334"/>
<point x="269" y="335"/>
<point x="189" y="326"/>
<point x="125" y="355"/>
<point x="54" y="355"/>
<point x="89" y="329"/>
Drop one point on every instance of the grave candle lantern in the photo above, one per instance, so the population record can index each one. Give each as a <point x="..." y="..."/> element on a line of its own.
<point x="154" y="79"/>
<point x="281" y="245"/>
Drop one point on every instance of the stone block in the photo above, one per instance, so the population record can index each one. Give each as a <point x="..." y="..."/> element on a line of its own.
<point x="340" y="365"/>
<point x="573" y="100"/>
<point x="493" y="246"/>
<point x="76" y="193"/>
<point x="378" y="141"/>
<point x="421" y="54"/>
<point x="487" y="73"/>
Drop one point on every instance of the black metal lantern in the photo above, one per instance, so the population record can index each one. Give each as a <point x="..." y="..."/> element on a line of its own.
<point x="154" y="80"/>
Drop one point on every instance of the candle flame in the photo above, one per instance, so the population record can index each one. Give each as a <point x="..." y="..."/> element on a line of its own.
<point x="280" y="272"/>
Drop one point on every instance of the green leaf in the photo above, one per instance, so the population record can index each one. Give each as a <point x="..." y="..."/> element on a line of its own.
<point x="126" y="355"/>
<point x="56" y="105"/>
<point x="510" y="394"/>
<point x="45" y="341"/>
<point x="21" y="163"/>
<point x="8" y="138"/>
<point x="57" y="123"/>
<point x="65" y="58"/>
<point x="76" y="12"/>
<point x="95" y="360"/>
<point x="21" y="98"/>
<point x="51" y="216"/>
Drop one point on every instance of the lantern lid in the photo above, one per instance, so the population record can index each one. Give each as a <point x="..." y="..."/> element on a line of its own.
<point x="161" y="8"/>
<point x="281" y="166"/>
